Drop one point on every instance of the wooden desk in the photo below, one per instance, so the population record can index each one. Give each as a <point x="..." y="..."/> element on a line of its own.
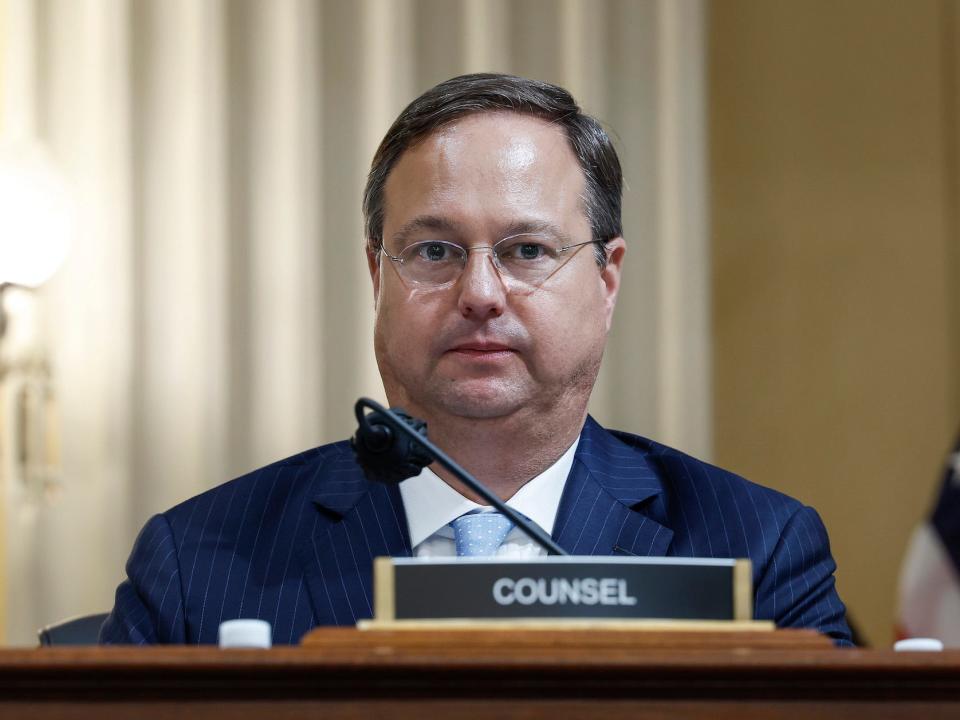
<point x="345" y="673"/>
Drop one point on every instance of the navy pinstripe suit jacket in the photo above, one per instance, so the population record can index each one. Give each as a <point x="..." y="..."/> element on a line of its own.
<point x="293" y="543"/>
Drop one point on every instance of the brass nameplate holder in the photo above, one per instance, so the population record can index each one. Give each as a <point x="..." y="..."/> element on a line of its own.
<point x="571" y="592"/>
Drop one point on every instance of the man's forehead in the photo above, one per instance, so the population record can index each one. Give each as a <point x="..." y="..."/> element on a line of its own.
<point x="522" y="152"/>
<point x="511" y="128"/>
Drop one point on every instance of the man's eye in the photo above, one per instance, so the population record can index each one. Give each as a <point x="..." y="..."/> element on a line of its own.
<point x="434" y="252"/>
<point x="530" y="251"/>
<point x="523" y="251"/>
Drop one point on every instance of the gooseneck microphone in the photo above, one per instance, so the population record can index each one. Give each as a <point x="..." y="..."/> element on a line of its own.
<point x="391" y="446"/>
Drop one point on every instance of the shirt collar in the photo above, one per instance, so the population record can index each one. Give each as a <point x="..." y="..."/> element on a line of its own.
<point x="430" y="503"/>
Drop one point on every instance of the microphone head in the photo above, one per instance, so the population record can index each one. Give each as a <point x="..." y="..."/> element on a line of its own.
<point x="385" y="454"/>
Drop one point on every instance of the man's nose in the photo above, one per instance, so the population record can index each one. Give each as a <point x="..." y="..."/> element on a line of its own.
<point x="482" y="291"/>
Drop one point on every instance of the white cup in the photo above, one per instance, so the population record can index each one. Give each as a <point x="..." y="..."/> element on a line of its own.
<point x="918" y="645"/>
<point x="245" y="634"/>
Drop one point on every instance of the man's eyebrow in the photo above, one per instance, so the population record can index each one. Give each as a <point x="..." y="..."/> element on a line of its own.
<point x="535" y="227"/>
<point x="452" y="228"/>
<point x="435" y="223"/>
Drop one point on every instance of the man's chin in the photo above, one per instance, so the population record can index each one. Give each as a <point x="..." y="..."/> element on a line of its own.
<point x="482" y="402"/>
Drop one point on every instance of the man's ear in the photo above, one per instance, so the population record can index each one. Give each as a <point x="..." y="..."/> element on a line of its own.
<point x="616" y="248"/>
<point x="373" y="264"/>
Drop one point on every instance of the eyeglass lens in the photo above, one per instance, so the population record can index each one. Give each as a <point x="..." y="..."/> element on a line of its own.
<point x="530" y="259"/>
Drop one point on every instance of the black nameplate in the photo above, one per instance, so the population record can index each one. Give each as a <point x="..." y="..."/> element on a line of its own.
<point x="562" y="587"/>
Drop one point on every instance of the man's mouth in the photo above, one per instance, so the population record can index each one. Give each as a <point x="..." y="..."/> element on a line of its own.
<point x="481" y="349"/>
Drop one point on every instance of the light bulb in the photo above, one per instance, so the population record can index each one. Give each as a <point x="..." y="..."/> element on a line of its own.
<point x="36" y="215"/>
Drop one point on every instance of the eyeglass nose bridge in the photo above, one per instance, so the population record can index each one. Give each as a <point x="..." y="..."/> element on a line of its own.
<point x="495" y="258"/>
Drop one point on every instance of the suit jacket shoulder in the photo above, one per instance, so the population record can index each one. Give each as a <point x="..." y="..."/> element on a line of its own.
<point x="700" y="498"/>
<point x="713" y="512"/>
<point x="232" y="551"/>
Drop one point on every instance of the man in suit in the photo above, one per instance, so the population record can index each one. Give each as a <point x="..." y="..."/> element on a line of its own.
<point x="495" y="251"/>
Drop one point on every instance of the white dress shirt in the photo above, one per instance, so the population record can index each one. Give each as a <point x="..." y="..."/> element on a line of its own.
<point x="430" y="505"/>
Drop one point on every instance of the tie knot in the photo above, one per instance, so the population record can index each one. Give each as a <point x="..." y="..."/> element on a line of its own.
<point x="480" y="534"/>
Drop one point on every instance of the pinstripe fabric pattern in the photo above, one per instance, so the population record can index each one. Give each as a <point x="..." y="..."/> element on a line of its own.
<point x="629" y="495"/>
<point x="293" y="543"/>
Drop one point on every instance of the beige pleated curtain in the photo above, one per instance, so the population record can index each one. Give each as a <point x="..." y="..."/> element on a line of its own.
<point x="215" y="311"/>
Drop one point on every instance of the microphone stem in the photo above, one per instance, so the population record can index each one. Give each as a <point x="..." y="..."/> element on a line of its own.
<point x="534" y="532"/>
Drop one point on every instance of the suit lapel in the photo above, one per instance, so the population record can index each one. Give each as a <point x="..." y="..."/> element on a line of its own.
<point x="354" y="522"/>
<point x="611" y="504"/>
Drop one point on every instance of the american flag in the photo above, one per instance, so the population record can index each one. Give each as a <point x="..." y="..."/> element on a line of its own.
<point x="930" y="575"/>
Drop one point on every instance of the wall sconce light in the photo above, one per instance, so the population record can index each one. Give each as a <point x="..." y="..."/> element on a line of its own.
<point x="36" y="215"/>
<point x="36" y="220"/>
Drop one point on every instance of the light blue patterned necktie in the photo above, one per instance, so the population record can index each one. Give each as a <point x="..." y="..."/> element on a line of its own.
<point x="480" y="534"/>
